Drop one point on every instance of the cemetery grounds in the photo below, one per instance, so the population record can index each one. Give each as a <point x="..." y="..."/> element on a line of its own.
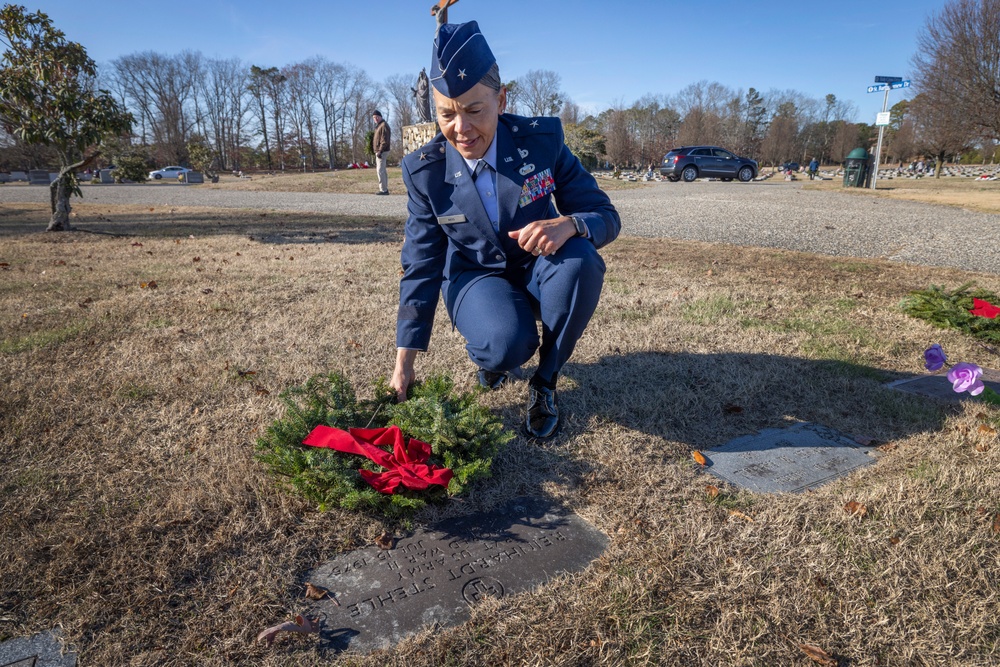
<point x="143" y="357"/>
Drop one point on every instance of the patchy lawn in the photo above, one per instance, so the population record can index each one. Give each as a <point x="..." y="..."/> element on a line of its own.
<point x="134" y="515"/>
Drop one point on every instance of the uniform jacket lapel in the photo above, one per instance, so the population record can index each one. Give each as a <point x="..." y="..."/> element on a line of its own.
<point x="509" y="181"/>
<point x="465" y="196"/>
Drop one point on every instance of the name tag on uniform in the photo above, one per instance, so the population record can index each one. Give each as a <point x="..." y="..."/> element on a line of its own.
<point x="536" y="187"/>
<point x="450" y="219"/>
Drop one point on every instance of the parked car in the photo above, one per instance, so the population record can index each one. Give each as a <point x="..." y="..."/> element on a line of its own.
<point x="691" y="162"/>
<point x="168" y="172"/>
<point x="790" y="166"/>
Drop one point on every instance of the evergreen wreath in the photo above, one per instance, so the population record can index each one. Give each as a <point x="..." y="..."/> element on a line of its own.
<point x="950" y="310"/>
<point x="464" y="436"/>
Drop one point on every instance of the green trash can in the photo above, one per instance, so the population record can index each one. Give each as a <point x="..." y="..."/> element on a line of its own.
<point x="857" y="169"/>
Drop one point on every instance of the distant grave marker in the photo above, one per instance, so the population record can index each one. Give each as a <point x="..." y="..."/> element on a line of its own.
<point x="937" y="386"/>
<point x="41" y="650"/>
<point x="787" y="460"/>
<point x="435" y="576"/>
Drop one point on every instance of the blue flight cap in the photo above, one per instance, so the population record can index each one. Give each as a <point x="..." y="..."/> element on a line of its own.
<point x="460" y="58"/>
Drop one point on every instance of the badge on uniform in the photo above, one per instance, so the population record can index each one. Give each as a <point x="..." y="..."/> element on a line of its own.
<point x="538" y="186"/>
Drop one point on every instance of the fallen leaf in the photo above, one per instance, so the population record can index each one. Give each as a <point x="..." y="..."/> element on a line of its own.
<point x="353" y="343"/>
<point x="261" y="391"/>
<point x="981" y="416"/>
<point x="982" y="447"/>
<point x="711" y="490"/>
<point x="244" y="374"/>
<point x="887" y="447"/>
<point x="207" y="290"/>
<point x="302" y="624"/>
<point x="987" y="430"/>
<point x="741" y="515"/>
<point x="196" y="259"/>
<point x="385" y="541"/>
<point x="816" y="654"/>
<point x="894" y="540"/>
<point x="996" y="522"/>
<point x="136" y="245"/>
<point x="314" y="592"/>
<point x="854" y="508"/>
<point x="699" y="458"/>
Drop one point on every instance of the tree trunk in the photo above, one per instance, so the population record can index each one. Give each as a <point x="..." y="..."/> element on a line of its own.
<point x="939" y="162"/>
<point x="60" y="190"/>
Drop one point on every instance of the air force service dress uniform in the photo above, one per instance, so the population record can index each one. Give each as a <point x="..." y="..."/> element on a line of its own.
<point x="493" y="290"/>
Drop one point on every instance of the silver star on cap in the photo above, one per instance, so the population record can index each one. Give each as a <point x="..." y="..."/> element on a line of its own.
<point x="423" y="155"/>
<point x="534" y="123"/>
<point x="462" y="74"/>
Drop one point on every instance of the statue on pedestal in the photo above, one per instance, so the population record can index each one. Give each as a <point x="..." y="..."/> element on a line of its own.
<point x="422" y="95"/>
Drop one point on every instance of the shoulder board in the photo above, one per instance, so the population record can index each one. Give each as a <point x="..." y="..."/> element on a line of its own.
<point x="430" y="152"/>
<point x="531" y="125"/>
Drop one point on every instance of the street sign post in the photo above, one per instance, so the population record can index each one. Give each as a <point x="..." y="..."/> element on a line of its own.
<point x="884" y="84"/>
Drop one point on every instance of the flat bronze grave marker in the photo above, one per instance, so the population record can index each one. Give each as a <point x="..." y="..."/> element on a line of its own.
<point x="41" y="650"/>
<point x="433" y="577"/>
<point x="787" y="460"/>
<point x="937" y="386"/>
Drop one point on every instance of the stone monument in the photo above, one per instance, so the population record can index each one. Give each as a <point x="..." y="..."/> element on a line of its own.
<point x="422" y="95"/>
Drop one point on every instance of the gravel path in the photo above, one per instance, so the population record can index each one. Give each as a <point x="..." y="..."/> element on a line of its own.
<point x="772" y="215"/>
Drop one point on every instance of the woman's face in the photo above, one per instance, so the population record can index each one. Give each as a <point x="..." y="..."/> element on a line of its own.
<point x="469" y="121"/>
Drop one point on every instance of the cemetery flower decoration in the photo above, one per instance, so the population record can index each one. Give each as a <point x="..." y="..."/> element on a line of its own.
<point x="963" y="376"/>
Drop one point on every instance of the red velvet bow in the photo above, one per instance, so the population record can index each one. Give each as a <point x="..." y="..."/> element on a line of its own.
<point x="984" y="309"/>
<point x="407" y="465"/>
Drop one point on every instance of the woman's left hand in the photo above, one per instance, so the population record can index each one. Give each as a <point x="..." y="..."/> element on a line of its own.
<point x="544" y="236"/>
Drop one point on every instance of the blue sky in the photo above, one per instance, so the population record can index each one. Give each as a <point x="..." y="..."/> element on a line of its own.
<point x="605" y="51"/>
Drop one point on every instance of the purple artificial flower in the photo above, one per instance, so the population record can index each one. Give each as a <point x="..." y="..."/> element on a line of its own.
<point x="966" y="377"/>
<point x="934" y="358"/>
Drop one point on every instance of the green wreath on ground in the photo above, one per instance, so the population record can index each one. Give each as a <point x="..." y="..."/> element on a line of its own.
<point x="951" y="310"/>
<point x="464" y="436"/>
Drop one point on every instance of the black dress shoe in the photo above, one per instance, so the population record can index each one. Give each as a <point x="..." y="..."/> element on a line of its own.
<point x="382" y="193"/>
<point x="542" y="420"/>
<point x="491" y="379"/>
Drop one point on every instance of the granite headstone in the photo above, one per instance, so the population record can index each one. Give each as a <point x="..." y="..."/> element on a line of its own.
<point x="787" y="460"/>
<point x="937" y="386"/>
<point x="432" y="578"/>
<point x="41" y="650"/>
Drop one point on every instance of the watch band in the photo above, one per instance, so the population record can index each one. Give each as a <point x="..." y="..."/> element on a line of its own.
<point x="581" y="226"/>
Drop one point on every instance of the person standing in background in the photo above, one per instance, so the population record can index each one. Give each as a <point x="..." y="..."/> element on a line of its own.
<point x="380" y="145"/>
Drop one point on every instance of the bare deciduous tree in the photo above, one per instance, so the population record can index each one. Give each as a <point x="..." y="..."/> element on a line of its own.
<point x="540" y="93"/>
<point x="958" y="62"/>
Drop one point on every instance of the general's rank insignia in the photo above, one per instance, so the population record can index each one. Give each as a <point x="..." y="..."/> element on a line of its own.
<point x="538" y="186"/>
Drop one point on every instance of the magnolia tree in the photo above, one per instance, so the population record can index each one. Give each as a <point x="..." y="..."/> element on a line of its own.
<point x="47" y="96"/>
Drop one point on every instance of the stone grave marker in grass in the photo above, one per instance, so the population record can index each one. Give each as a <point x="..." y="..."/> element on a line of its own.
<point x="937" y="386"/>
<point x="41" y="650"/>
<point x="432" y="578"/>
<point x="787" y="460"/>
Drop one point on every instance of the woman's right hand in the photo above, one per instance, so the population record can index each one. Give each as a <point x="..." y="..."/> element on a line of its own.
<point x="403" y="375"/>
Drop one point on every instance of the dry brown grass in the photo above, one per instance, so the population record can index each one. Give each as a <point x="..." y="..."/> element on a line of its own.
<point x="968" y="193"/>
<point x="133" y="514"/>
<point x="344" y="181"/>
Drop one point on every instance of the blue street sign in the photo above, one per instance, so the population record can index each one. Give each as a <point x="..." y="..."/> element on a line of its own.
<point x="888" y="79"/>
<point x="882" y="87"/>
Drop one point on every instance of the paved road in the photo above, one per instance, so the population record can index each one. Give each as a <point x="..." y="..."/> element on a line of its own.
<point x="773" y="215"/>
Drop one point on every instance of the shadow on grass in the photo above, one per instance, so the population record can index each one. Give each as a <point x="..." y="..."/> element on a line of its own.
<point x="272" y="227"/>
<point x="705" y="400"/>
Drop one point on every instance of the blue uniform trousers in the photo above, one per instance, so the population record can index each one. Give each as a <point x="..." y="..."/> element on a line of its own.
<point x="497" y="314"/>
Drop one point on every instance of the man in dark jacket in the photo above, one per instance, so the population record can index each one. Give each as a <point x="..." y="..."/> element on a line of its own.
<point x="484" y="231"/>
<point x="380" y="144"/>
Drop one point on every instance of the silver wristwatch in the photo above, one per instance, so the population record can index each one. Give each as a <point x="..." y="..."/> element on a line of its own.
<point x="581" y="226"/>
